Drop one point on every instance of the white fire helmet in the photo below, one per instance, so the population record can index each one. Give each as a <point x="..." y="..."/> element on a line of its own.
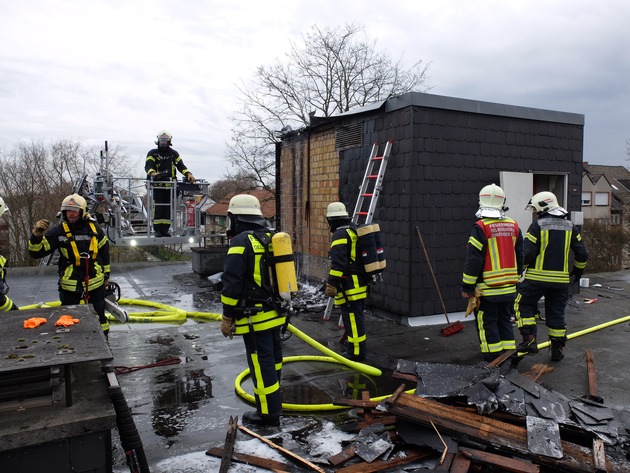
<point x="336" y="210"/>
<point x="546" y="202"/>
<point x="491" y="202"/>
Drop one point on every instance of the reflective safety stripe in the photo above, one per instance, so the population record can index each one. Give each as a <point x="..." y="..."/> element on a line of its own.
<point x="260" y="321"/>
<point x="353" y="336"/>
<point x="260" y="390"/>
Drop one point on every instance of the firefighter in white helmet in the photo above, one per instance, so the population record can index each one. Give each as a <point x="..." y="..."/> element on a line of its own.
<point x="494" y="262"/>
<point x="161" y="166"/>
<point x="84" y="264"/>
<point x="248" y="305"/>
<point x="347" y="281"/>
<point x="5" y="301"/>
<point x="549" y="242"/>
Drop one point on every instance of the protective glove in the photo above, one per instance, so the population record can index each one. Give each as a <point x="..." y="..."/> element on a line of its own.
<point x="577" y="272"/>
<point x="66" y="321"/>
<point x="190" y="177"/>
<point x="474" y="302"/>
<point x="40" y="227"/>
<point x="34" y="322"/>
<point x="331" y="291"/>
<point x="227" y="327"/>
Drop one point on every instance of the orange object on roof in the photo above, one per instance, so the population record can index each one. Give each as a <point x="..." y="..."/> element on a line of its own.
<point x="34" y="322"/>
<point x="66" y="321"/>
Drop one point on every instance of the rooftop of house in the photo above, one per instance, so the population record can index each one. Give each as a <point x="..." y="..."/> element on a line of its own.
<point x="266" y="198"/>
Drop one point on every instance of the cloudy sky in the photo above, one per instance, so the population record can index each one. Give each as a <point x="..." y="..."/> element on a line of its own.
<point x="121" y="70"/>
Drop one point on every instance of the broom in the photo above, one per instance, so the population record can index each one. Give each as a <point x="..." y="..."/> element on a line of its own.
<point x="451" y="328"/>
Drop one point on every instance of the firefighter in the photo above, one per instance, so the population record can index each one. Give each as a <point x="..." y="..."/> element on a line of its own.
<point x="548" y="243"/>
<point x="249" y="307"/>
<point x="347" y="281"/>
<point x="83" y="255"/>
<point x="6" y="303"/>
<point x="161" y="165"/>
<point x="494" y="262"/>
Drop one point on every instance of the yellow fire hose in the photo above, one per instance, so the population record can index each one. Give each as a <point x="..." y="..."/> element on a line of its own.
<point x="169" y="314"/>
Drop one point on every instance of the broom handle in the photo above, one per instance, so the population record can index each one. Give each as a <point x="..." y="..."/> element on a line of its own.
<point x="437" y="287"/>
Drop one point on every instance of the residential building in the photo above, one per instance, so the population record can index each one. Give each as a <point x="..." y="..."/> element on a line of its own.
<point x="444" y="150"/>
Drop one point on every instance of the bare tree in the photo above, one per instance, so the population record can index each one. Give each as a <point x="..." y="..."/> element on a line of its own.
<point x="333" y="71"/>
<point x="233" y="185"/>
<point x="35" y="178"/>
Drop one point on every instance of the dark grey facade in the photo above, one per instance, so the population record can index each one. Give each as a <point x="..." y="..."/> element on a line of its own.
<point x="444" y="151"/>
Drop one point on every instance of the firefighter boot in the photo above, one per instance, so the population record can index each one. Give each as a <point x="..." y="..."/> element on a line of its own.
<point x="254" y="418"/>
<point x="557" y="345"/>
<point x="529" y="344"/>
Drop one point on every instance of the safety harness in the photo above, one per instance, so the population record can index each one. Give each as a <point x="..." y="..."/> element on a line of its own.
<point x="83" y="257"/>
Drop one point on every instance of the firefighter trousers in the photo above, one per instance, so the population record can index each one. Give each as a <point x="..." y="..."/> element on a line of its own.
<point x="494" y="327"/>
<point x="526" y="306"/>
<point x="354" y="324"/>
<point x="264" y="358"/>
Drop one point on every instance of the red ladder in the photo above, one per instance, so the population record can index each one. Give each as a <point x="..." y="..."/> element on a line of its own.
<point x="369" y="193"/>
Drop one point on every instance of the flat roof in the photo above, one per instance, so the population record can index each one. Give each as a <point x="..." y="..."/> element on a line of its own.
<point x="420" y="99"/>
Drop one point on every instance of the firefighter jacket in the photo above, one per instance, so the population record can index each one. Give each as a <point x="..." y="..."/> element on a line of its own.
<point x="494" y="257"/>
<point x="346" y="273"/>
<point x="247" y="295"/>
<point x="165" y="159"/>
<point x="548" y="244"/>
<point x="83" y="253"/>
<point x="5" y="302"/>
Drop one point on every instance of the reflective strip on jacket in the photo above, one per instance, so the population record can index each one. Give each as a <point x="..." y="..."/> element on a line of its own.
<point x="494" y="257"/>
<point x="77" y="243"/>
<point x="548" y="244"/>
<point x="344" y="274"/>
<point x="245" y="286"/>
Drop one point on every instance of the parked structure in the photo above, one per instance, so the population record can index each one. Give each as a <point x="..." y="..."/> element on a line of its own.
<point x="216" y="214"/>
<point x="606" y="201"/>
<point x="444" y="150"/>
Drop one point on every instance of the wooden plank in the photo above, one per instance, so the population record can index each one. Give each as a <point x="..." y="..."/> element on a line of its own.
<point x="356" y="403"/>
<point x="368" y="417"/>
<point x="591" y="375"/>
<point x="599" y="455"/>
<point x="460" y="464"/>
<point x="380" y="465"/>
<point x="501" y="358"/>
<point x="228" y="447"/>
<point x="445" y="466"/>
<point x="272" y="465"/>
<point x="509" y="464"/>
<point x="343" y="456"/>
<point x="289" y="453"/>
<point x="503" y="436"/>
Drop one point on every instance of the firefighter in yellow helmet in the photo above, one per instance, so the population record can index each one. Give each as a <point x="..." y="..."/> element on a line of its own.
<point x="493" y="265"/>
<point x="83" y="255"/>
<point x="5" y="301"/>
<point x="248" y="305"/>
<point x="549" y="241"/>
<point x="161" y="165"/>
<point x="347" y="282"/>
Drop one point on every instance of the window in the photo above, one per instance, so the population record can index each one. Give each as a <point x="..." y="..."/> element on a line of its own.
<point x="602" y="199"/>
<point x="615" y="219"/>
<point x="586" y="199"/>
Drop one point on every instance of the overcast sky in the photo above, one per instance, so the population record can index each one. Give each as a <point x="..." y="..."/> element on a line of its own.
<point x="121" y="70"/>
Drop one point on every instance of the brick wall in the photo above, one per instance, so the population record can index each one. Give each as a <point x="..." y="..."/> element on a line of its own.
<point x="440" y="159"/>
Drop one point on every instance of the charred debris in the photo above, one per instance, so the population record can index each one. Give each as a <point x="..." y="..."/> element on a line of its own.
<point x="484" y="418"/>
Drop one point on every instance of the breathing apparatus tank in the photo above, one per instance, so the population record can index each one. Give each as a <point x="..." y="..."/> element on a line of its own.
<point x="286" y="278"/>
<point x="371" y="248"/>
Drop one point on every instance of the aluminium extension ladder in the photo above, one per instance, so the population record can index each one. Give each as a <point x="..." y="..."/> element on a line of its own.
<point x="369" y="193"/>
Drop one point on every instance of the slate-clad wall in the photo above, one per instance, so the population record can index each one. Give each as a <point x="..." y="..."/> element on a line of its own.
<point x="440" y="160"/>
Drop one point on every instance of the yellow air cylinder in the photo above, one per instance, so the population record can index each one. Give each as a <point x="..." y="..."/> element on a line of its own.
<point x="285" y="265"/>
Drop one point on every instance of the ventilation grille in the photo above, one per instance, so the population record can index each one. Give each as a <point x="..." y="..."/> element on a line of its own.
<point x="349" y="136"/>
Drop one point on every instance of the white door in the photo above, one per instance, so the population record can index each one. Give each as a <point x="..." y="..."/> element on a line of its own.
<point x="518" y="188"/>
